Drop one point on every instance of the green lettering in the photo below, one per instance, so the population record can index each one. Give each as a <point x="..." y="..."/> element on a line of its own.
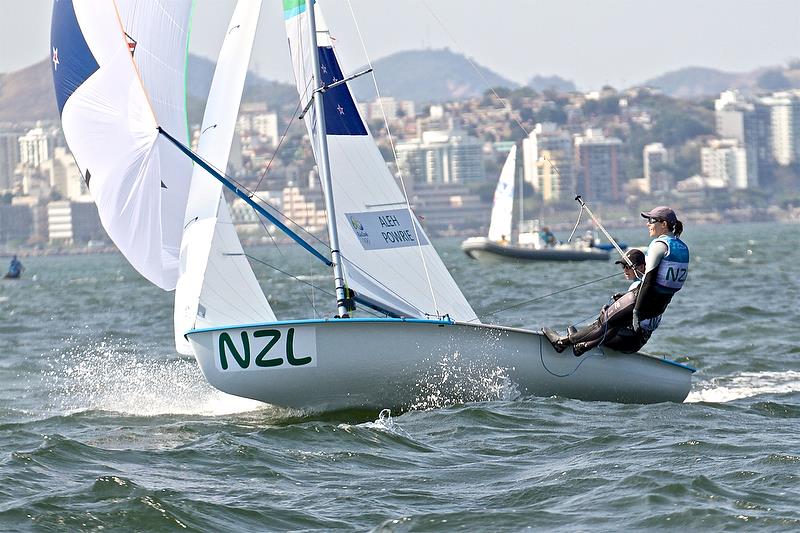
<point x="275" y="335"/>
<point x="225" y="339"/>
<point x="295" y="361"/>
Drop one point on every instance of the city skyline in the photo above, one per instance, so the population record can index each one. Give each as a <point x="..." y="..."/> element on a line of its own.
<point x="578" y="40"/>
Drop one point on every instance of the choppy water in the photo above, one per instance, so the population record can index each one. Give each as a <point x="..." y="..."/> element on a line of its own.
<point x="102" y="426"/>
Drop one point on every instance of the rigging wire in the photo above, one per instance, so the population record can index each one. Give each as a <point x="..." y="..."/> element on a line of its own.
<point x="313" y="286"/>
<point x="526" y="302"/>
<point x="278" y="148"/>
<point x="252" y="195"/>
<point x="475" y="68"/>
<point x="502" y="101"/>
<point x="394" y="155"/>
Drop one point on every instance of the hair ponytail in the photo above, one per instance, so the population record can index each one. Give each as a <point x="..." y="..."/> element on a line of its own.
<point x="677" y="229"/>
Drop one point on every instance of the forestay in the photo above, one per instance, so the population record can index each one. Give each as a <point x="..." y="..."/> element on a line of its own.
<point x="503" y="204"/>
<point x="388" y="259"/>
<point x="217" y="285"/>
<point x="109" y="120"/>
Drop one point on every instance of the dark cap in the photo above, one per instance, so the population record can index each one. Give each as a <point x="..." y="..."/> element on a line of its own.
<point x="635" y="255"/>
<point x="662" y="212"/>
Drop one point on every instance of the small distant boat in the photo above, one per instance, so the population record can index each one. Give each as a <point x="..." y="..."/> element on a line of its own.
<point x="485" y="249"/>
<point x="498" y="247"/>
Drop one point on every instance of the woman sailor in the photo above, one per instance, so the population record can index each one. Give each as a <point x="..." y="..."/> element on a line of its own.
<point x="666" y="264"/>
<point x="665" y="270"/>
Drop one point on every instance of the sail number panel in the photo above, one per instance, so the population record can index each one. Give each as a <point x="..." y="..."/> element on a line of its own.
<point x="381" y="230"/>
<point x="265" y="348"/>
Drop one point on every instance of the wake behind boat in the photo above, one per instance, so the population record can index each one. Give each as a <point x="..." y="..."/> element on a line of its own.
<point x="170" y="219"/>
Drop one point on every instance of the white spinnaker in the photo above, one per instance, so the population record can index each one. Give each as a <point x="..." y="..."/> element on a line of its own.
<point x="387" y="256"/>
<point x="158" y="33"/>
<point x="110" y="127"/>
<point x="217" y="285"/>
<point x="503" y="204"/>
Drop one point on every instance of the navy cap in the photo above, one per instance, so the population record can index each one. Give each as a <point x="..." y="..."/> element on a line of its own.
<point x="662" y="212"/>
<point x="635" y="255"/>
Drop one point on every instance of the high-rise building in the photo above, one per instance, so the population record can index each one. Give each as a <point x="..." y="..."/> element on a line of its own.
<point x="64" y="175"/>
<point x="749" y="123"/>
<point x="548" y="154"/>
<point x="266" y="125"/>
<point x="442" y="157"/>
<point x="725" y="160"/>
<point x="385" y="105"/>
<point x="655" y="179"/>
<point x="34" y="147"/>
<point x="781" y="138"/>
<point x="9" y="158"/>
<point x="74" y="222"/>
<point x="16" y="223"/>
<point x="597" y="166"/>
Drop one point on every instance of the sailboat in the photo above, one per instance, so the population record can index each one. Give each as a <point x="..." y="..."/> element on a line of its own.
<point x="497" y="245"/>
<point x="162" y="204"/>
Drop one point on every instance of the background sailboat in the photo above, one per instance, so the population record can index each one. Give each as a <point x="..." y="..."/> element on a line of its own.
<point x="498" y="245"/>
<point x="380" y="256"/>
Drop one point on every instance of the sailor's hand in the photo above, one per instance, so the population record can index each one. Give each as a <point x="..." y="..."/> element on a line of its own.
<point x="635" y="324"/>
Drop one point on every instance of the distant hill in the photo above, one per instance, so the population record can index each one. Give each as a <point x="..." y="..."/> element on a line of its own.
<point x="694" y="82"/>
<point x="553" y="83"/>
<point x="277" y="95"/>
<point x="420" y="75"/>
<point x="437" y="75"/>
<point x="27" y="95"/>
<point x="428" y="76"/>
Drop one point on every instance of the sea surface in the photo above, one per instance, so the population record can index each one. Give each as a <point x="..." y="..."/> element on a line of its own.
<point x="104" y="427"/>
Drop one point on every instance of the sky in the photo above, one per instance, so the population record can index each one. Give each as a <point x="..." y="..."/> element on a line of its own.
<point x="591" y="42"/>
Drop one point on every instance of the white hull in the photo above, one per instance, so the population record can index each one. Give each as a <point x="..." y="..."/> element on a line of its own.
<point x="395" y="363"/>
<point x="483" y="249"/>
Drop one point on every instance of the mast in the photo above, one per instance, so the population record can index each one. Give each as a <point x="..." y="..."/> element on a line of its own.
<point x="324" y="164"/>
<point x="521" y="185"/>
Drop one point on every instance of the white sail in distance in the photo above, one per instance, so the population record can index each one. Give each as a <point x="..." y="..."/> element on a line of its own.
<point x="217" y="286"/>
<point x="503" y="203"/>
<point x="109" y="121"/>
<point x="388" y="258"/>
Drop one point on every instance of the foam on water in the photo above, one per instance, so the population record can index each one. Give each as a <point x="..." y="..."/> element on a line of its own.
<point x="746" y="385"/>
<point x="386" y="423"/>
<point x="454" y="380"/>
<point x="117" y="375"/>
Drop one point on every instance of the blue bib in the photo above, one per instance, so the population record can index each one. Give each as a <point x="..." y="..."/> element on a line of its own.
<point x="674" y="266"/>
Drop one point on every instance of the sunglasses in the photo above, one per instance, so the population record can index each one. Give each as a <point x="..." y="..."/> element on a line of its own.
<point x="651" y="220"/>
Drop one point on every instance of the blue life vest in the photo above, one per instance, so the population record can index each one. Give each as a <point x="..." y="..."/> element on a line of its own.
<point x="674" y="266"/>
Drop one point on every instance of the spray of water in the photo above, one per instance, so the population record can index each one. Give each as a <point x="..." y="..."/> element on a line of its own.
<point x="112" y="374"/>
<point x="746" y="385"/>
<point x="454" y="380"/>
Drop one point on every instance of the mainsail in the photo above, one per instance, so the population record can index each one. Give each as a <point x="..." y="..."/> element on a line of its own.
<point x="387" y="257"/>
<point x="116" y="75"/>
<point x="503" y="204"/>
<point x="216" y="284"/>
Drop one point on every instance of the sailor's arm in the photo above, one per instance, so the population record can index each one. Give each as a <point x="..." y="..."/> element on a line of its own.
<point x="655" y="253"/>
